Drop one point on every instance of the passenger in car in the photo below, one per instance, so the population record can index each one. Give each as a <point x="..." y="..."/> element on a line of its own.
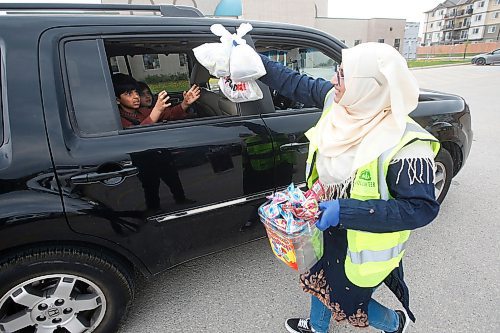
<point x="364" y="121"/>
<point x="133" y="112"/>
<point x="147" y="97"/>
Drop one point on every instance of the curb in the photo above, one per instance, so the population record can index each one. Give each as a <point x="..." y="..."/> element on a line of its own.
<point x="437" y="66"/>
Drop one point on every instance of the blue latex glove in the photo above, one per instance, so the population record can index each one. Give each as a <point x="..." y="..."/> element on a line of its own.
<point x="330" y="214"/>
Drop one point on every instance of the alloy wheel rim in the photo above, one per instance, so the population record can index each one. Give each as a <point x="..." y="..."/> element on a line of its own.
<point x="439" y="179"/>
<point x="53" y="303"/>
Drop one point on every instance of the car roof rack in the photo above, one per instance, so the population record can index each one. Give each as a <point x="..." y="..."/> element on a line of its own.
<point x="164" y="10"/>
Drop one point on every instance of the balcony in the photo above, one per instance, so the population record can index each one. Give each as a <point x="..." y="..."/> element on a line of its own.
<point x="462" y="25"/>
<point x="449" y="27"/>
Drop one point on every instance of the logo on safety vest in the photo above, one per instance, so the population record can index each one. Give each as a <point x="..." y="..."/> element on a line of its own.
<point x="365" y="175"/>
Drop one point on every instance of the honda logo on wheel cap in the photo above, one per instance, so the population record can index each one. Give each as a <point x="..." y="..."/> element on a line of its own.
<point x="53" y="312"/>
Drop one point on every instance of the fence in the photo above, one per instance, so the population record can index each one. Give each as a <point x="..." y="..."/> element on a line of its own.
<point x="463" y="50"/>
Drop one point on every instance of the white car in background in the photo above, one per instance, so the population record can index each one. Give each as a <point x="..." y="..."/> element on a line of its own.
<point x="487" y="58"/>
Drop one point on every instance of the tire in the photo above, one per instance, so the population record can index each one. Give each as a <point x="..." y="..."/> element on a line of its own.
<point x="480" y="61"/>
<point x="444" y="174"/>
<point x="59" y="289"/>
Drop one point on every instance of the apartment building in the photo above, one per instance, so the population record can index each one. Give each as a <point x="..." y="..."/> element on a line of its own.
<point x="459" y="21"/>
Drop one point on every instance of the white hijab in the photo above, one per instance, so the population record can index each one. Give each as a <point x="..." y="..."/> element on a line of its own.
<point x="380" y="92"/>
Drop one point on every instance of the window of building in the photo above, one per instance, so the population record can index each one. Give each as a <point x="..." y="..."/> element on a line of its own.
<point x="151" y="61"/>
<point x="475" y="30"/>
<point x="380" y="40"/>
<point x="397" y="42"/>
<point x="478" y="18"/>
<point x="113" y="65"/>
<point x="357" y="41"/>
<point x="496" y="15"/>
<point x="463" y="34"/>
<point x="428" y="36"/>
<point x="436" y="35"/>
<point x="480" y="4"/>
<point x="497" y="2"/>
<point x="432" y="25"/>
<point x="492" y="29"/>
<point x="439" y="24"/>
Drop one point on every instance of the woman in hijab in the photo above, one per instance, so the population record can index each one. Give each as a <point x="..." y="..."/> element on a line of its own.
<point x="373" y="169"/>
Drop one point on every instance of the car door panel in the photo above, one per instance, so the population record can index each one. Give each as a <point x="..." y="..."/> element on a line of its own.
<point x="106" y="178"/>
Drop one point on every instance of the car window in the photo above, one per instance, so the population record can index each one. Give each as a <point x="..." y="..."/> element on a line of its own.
<point x="165" y="64"/>
<point x="90" y="104"/>
<point x="301" y="58"/>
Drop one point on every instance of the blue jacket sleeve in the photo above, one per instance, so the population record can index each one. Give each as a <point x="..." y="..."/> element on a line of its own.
<point x="293" y="85"/>
<point x="413" y="206"/>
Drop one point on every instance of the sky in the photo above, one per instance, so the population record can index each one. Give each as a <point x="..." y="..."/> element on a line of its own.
<point x="411" y="10"/>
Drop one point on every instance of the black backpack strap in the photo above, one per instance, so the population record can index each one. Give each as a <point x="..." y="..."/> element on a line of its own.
<point x="134" y="121"/>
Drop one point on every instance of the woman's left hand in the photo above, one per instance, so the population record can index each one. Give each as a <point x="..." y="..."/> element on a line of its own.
<point x="330" y="214"/>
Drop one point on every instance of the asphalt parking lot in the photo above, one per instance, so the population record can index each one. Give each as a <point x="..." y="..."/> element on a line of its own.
<point x="452" y="266"/>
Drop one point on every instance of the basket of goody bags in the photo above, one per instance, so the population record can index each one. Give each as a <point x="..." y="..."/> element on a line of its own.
<point x="290" y="217"/>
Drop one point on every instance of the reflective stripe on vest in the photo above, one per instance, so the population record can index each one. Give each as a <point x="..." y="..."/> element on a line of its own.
<point x="376" y="256"/>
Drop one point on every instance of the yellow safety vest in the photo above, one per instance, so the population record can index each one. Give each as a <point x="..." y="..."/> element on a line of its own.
<point x="372" y="256"/>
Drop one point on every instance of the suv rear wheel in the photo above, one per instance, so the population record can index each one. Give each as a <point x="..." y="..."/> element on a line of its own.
<point x="57" y="289"/>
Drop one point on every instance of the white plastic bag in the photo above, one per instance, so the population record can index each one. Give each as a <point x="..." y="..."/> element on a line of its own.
<point x="215" y="56"/>
<point x="239" y="92"/>
<point x="232" y="56"/>
<point x="244" y="64"/>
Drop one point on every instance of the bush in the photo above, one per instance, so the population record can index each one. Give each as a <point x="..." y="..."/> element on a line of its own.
<point x="165" y="78"/>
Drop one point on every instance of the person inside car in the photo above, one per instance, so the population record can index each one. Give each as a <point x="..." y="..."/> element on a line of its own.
<point x="133" y="112"/>
<point x="153" y="164"/>
<point x="374" y="169"/>
<point x="147" y="97"/>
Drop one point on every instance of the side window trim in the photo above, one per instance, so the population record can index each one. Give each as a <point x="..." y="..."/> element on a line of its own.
<point x="107" y="78"/>
<point x="67" y="87"/>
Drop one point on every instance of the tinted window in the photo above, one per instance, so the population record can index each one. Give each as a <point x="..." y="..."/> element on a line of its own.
<point x="92" y="107"/>
<point x="163" y="64"/>
<point x="305" y="60"/>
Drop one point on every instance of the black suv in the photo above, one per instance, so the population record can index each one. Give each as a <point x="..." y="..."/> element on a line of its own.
<point x="74" y="224"/>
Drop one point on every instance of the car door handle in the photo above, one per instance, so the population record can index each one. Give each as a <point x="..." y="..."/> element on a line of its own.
<point x="94" y="177"/>
<point x="296" y="146"/>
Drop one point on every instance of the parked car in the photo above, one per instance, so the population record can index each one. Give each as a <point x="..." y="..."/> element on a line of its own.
<point x="75" y="225"/>
<point x="489" y="58"/>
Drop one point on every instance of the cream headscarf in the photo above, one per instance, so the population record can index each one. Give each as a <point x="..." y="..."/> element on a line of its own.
<point x="380" y="92"/>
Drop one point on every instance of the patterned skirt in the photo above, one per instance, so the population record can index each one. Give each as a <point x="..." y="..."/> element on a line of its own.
<point x="327" y="281"/>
